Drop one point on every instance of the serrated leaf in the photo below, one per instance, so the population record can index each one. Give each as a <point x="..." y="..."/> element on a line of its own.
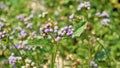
<point x="40" y="42"/>
<point x="79" y="31"/>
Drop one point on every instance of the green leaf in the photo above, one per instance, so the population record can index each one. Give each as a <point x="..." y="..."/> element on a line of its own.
<point x="40" y="42"/>
<point x="101" y="54"/>
<point x="79" y="30"/>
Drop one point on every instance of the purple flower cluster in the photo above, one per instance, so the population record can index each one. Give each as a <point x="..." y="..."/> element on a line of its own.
<point x="46" y="29"/>
<point x="1" y="24"/>
<point x="93" y="64"/>
<point x="2" y="6"/>
<point x="71" y="17"/>
<point x="54" y="32"/>
<point x="104" y="21"/>
<point x="18" y="28"/>
<point x="103" y="14"/>
<point x="13" y="59"/>
<point x="83" y="5"/>
<point x="19" y="46"/>
<point x="22" y="46"/>
<point x="23" y="33"/>
<point x="29" y="48"/>
<point x="29" y="25"/>
<point x="20" y="17"/>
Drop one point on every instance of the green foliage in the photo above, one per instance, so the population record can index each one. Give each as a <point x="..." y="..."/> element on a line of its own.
<point x="79" y="30"/>
<point x="82" y="46"/>
<point x="40" y="42"/>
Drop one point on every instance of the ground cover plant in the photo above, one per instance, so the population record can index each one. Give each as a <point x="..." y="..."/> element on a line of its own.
<point x="59" y="33"/>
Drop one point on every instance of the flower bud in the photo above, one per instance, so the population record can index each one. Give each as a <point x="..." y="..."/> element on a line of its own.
<point x="32" y="64"/>
<point x="56" y="27"/>
<point x="28" y="60"/>
<point x="58" y="38"/>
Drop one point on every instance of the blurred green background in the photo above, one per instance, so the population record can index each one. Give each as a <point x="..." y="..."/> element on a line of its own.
<point x="59" y="11"/>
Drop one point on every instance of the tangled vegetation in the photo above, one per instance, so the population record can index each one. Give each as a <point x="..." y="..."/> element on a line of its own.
<point x="59" y="33"/>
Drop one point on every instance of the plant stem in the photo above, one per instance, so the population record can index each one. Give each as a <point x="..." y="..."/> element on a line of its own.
<point x="16" y="49"/>
<point x="38" y="58"/>
<point x="54" y="55"/>
<point x="52" y="60"/>
<point x="62" y="63"/>
<point x="19" y="54"/>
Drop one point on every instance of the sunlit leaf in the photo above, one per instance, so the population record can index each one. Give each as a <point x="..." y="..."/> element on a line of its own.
<point x="40" y="42"/>
<point x="79" y="30"/>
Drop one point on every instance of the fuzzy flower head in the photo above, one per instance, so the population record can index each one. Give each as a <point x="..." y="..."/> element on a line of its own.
<point x="13" y="59"/>
<point x="19" y="46"/>
<point x="1" y="24"/>
<point x="93" y="64"/>
<point x="28" y="47"/>
<point x="98" y="14"/>
<point x="50" y="31"/>
<point x="20" y="17"/>
<point x="103" y="14"/>
<point x="87" y="5"/>
<point x="29" y="25"/>
<point x="2" y="6"/>
<point x="105" y="21"/>
<point x="23" y="33"/>
<point x="18" y="28"/>
<point x="71" y="16"/>
<point x="83" y="5"/>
